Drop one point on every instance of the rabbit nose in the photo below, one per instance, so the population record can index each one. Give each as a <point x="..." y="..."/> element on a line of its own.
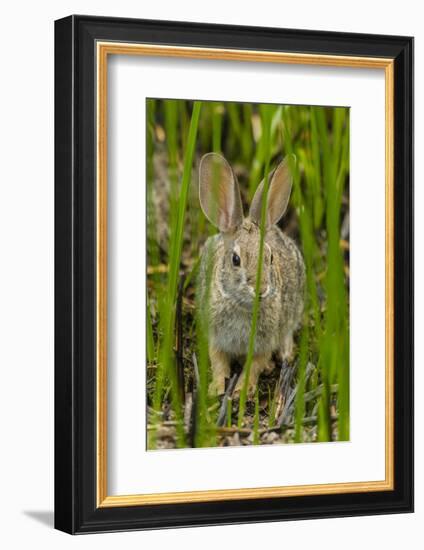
<point x="263" y="290"/>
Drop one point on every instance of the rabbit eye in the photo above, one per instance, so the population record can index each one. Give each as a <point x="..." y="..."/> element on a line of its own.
<point x="272" y="257"/>
<point x="236" y="260"/>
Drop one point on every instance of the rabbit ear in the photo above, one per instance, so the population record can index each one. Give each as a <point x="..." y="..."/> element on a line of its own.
<point x="278" y="194"/>
<point x="219" y="193"/>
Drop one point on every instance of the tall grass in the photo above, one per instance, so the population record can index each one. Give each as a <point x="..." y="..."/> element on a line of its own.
<point x="325" y="164"/>
<point x="266" y="140"/>
<point x="253" y="138"/>
<point x="166" y="367"/>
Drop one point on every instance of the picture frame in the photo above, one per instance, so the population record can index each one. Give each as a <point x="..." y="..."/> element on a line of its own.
<point x="83" y="45"/>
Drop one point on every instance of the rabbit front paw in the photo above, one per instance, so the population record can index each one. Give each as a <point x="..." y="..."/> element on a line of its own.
<point x="217" y="386"/>
<point x="251" y="388"/>
<point x="220" y="365"/>
<point x="287" y="348"/>
<point x="259" y="364"/>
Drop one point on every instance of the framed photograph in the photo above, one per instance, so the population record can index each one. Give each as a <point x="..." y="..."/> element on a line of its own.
<point x="234" y="274"/>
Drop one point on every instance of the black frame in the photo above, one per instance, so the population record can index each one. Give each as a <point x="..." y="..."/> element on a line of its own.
<point x="75" y="274"/>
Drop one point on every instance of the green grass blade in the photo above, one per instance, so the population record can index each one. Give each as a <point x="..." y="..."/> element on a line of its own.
<point x="256" y="419"/>
<point x="255" y="311"/>
<point x="168" y="313"/>
<point x="300" y="393"/>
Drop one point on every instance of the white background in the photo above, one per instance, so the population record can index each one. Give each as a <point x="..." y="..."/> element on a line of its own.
<point x="26" y="285"/>
<point x="131" y="80"/>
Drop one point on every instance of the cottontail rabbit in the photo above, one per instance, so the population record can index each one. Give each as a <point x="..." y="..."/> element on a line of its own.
<point x="227" y="275"/>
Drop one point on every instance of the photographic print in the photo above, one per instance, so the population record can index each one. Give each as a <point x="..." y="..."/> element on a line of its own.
<point x="247" y="274"/>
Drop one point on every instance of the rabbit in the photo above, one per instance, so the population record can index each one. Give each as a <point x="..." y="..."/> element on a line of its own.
<point x="227" y="274"/>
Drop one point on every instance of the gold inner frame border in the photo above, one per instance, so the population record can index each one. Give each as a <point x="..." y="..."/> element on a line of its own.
<point x="103" y="50"/>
